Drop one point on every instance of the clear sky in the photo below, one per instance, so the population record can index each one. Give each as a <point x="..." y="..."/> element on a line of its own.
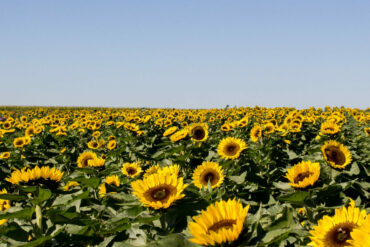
<point x="185" y="54"/>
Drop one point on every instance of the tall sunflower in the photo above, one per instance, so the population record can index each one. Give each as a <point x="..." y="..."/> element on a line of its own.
<point x="131" y="169"/>
<point x="329" y="128"/>
<point x="256" y="133"/>
<point x="360" y="237"/>
<point x="82" y="160"/>
<point x="231" y="147"/>
<point x="208" y="172"/>
<point x="337" y="155"/>
<point x="170" y="131"/>
<point x="4" y="206"/>
<point x="221" y="222"/>
<point x="180" y="134"/>
<point x="335" y="231"/>
<point x="42" y="174"/>
<point x="159" y="190"/>
<point x="303" y="174"/>
<point x="199" y="132"/>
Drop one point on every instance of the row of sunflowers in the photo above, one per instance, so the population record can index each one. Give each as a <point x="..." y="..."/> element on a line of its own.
<point x="160" y="177"/>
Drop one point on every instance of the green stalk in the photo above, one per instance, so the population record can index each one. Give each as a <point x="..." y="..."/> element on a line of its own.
<point x="39" y="220"/>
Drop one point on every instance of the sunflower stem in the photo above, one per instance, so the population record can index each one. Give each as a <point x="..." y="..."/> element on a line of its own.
<point x="163" y="221"/>
<point x="38" y="220"/>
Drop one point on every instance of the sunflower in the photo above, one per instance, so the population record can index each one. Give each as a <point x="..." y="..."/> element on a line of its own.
<point x="337" y="155"/>
<point x="269" y="128"/>
<point x="19" y="142"/>
<point x="97" y="162"/>
<point x="226" y="127"/>
<point x="181" y="134"/>
<point x="221" y="222"/>
<point x="172" y="169"/>
<point x="159" y="190"/>
<point x="199" y="132"/>
<point x="329" y="128"/>
<point x="5" y="155"/>
<point x="70" y="184"/>
<point x="111" y="180"/>
<point x="256" y="133"/>
<point x="231" y="147"/>
<point x="30" y="131"/>
<point x="93" y="144"/>
<point x="131" y="169"/>
<point x="360" y="237"/>
<point x="112" y="144"/>
<point x="4" y="206"/>
<point x="151" y="170"/>
<point x="83" y="159"/>
<point x="367" y="131"/>
<point x="208" y="172"/>
<point x="170" y="131"/>
<point x="335" y="231"/>
<point x="303" y="174"/>
<point x="27" y="175"/>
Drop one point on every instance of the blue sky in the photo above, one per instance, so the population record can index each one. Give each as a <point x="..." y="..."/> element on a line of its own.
<point x="185" y="54"/>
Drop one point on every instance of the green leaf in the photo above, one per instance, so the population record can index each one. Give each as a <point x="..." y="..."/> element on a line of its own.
<point x="43" y="195"/>
<point x="295" y="198"/>
<point x="13" y="197"/>
<point x="173" y="240"/>
<point x="21" y="214"/>
<point x="238" y="179"/>
<point x="37" y="242"/>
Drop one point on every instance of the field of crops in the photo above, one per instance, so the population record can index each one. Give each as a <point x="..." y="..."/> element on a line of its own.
<point x="174" y="177"/>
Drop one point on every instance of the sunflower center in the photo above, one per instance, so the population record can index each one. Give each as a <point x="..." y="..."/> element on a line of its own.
<point x="160" y="194"/>
<point x="19" y="142"/>
<point x="232" y="149"/>
<point x="210" y="176"/>
<point x="85" y="162"/>
<point x="131" y="171"/>
<point x="339" y="234"/>
<point x="199" y="133"/>
<point x="226" y="224"/>
<point x="329" y="129"/>
<point x="301" y="176"/>
<point x="334" y="154"/>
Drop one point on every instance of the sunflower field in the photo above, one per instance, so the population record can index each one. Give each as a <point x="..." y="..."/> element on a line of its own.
<point x="184" y="178"/>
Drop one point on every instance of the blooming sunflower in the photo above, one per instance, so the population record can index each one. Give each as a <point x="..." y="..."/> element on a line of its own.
<point x="329" y="128"/>
<point x="97" y="162"/>
<point x="83" y="159"/>
<point x="131" y="169"/>
<point x="5" y="155"/>
<point x="112" y="144"/>
<point x="337" y="155"/>
<point x="231" y="147"/>
<point x="208" y="172"/>
<point x="181" y="134"/>
<point x="269" y="128"/>
<point x="151" y="170"/>
<point x="93" y="144"/>
<point x="256" y="133"/>
<point x="170" y="131"/>
<point x="111" y="180"/>
<point x="367" y="131"/>
<point x="335" y="231"/>
<point x="360" y="237"/>
<point x="70" y="184"/>
<point x="27" y="175"/>
<point x="159" y="190"/>
<point x="303" y="174"/>
<point x="19" y="142"/>
<point x="4" y="206"/>
<point x="199" y="132"/>
<point x="221" y="222"/>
